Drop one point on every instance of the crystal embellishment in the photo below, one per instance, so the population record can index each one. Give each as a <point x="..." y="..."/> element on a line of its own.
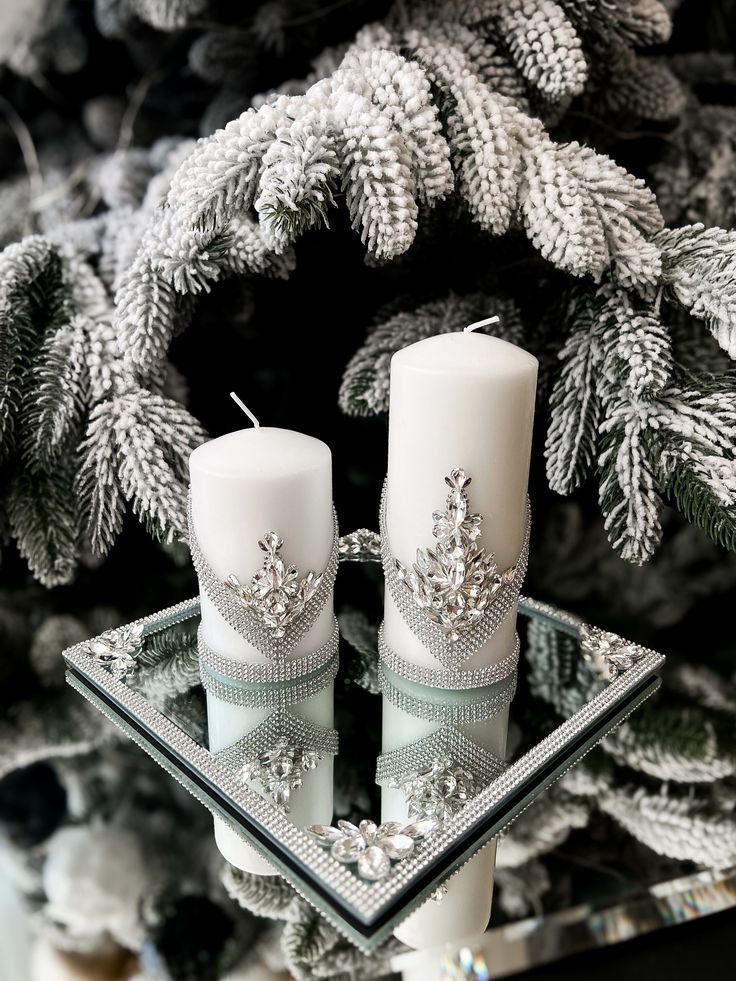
<point x="361" y="545"/>
<point x="454" y="582"/>
<point x="369" y="846"/>
<point x="275" y="593"/>
<point x="117" y="650"/>
<point x="439" y="773"/>
<point x="280" y="771"/>
<point x="617" y="653"/>
<point x="453" y="597"/>
<point x="438" y="791"/>
<point x="277" y="753"/>
<point x="275" y="609"/>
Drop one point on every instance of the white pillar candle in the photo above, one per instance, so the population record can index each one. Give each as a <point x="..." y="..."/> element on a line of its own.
<point x="461" y="400"/>
<point x="243" y="485"/>
<point x="457" y="401"/>
<point x="466" y="907"/>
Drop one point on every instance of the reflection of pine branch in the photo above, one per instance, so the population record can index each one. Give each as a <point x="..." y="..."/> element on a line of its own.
<point x="269" y="896"/>
<point x="684" y="827"/>
<point x="674" y="743"/>
<point x="362" y="635"/>
<point x="168" y="666"/>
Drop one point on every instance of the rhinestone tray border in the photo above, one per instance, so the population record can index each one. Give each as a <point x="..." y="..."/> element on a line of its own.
<point x="367" y="902"/>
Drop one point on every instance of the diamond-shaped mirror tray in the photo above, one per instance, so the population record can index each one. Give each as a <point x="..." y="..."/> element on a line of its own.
<point x="582" y="682"/>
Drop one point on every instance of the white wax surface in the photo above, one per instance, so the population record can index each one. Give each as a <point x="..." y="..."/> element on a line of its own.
<point x="250" y="482"/>
<point x="467" y="906"/>
<point x="464" y="911"/>
<point x="458" y="401"/>
<point x="243" y="485"/>
<point x="310" y="804"/>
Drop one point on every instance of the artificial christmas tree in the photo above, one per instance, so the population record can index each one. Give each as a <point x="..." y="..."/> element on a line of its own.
<point x="367" y="175"/>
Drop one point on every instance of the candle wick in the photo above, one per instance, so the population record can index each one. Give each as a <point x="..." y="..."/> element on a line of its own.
<point x="480" y="323"/>
<point x="246" y="410"/>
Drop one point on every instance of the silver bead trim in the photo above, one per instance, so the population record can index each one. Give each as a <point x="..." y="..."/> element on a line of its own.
<point x="370" y="899"/>
<point x="487" y="701"/>
<point x="245" y="621"/>
<point x="281" y="725"/>
<point x="271" y="672"/>
<point x="445" y="677"/>
<point x="446" y="741"/>
<point x="260" y="695"/>
<point x="453" y="653"/>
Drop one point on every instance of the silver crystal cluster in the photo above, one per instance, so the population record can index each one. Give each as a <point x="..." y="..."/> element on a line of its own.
<point x="361" y="545"/>
<point x="616" y="653"/>
<point x="280" y="770"/>
<point x="369" y="846"/>
<point x="275" y="610"/>
<point x="439" y="790"/>
<point x="117" y="649"/>
<point x="454" y="582"/>
<point x="275" y="593"/>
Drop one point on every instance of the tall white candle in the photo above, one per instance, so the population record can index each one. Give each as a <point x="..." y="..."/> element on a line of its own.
<point x="462" y="400"/>
<point x="243" y="485"/>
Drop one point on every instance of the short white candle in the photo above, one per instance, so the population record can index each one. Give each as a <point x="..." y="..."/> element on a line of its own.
<point x="461" y="400"/>
<point x="243" y="485"/>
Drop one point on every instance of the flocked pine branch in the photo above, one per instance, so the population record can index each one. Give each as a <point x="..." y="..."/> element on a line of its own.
<point x="434" y="101"/>
<point x="674" y="743"/>
<point x="699" y="271"/>
<point x="375" y="122"/>
<point x="650" y="428"/>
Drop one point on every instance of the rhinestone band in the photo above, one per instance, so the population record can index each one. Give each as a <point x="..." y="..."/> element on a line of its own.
<point x="277" y="754"/>
<point x="445" y="742"/>
<point x="244" y="621"/>
<point x="446" y="678"/>
<point x="269" y="695"/>
<point x="452" y="653"/>
<point x="491" y="701"/>
<point x="281" y="725"/>
<point x="272" y="672"/>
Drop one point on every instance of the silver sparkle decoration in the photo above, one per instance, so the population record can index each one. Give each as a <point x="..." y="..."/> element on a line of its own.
<point x="618" y="654"/>
<point x="439" y="790"/>
<point x="276" y="609"/>
<point x="361" y="545"/>
<point x="280" y="769"/>
<point x="117" y="649"/>
<point x="439" y="773"/>
<point x="349" y="892"/>
<point x="275" y="593"/>
<point x="274" y="684"/>
<point x="453" y="597"/>
<point x="278" y="752"/>
<point x="454" y="582"/>
<point x="369" y="846"/>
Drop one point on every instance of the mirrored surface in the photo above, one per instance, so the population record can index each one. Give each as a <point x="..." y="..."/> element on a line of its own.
<point x="366" y="819"/>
